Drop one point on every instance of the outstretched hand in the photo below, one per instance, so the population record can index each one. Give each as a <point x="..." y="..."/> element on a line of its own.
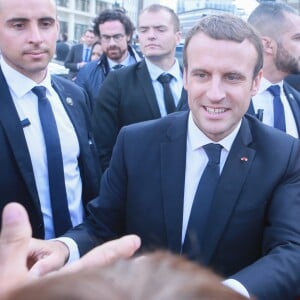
<point x="23" y="259"/>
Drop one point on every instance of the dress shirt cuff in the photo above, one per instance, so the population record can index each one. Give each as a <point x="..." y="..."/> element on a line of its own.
<point x="236" y="286"/>
<point x="73" y="248"/>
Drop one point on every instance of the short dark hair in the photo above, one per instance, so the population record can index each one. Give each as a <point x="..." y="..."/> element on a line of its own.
<point x="270" y="18"/>
<point x="227" y="27"/>
<point x="114" y="15"/>
<point x="159" y="7"/>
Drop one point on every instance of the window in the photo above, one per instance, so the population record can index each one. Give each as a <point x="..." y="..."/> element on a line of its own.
<point x="83" y="5"/>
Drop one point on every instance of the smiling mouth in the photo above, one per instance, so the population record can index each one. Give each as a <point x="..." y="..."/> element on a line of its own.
<point x="212" y="110"/>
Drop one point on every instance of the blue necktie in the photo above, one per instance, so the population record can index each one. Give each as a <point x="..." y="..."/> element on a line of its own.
<point x="279" y="117"/>
<point x="165" y="80"/>
<point x="87" y="55"/>
<point x="59" y="203"/>
<point x="117" y="67"/>
<point x="202" y="202"/>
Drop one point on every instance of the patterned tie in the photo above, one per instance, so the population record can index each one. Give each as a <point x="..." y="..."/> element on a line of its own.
<point x="165" y="80"/>
<point x="59" y="203"/>
<point x="202" y="202"/>
<point x="279" y="117"/>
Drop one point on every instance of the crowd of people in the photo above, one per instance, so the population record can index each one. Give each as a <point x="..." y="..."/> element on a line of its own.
<point x="140" y="178"/>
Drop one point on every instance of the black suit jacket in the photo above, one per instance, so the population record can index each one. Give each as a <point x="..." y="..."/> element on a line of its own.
<point x="73" y="58"/>
<point x="17" y="181"/>
<point x="253" y="231"/>
<point x="293" y="97"/>
<point x="126" y="96"/>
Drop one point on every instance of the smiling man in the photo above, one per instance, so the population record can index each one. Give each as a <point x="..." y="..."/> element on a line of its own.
<point x="47" y="154"/>
<point x="212" y="184"/>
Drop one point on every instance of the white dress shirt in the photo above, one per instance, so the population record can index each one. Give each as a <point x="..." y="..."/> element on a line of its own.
<point x="26" y="105"/>
<point x="176" y="84"/>
<point x="264" y="100"/>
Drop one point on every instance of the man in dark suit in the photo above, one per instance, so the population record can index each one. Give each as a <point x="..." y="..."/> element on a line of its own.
<point x="80" y="54"/>
<point x="278" y="25"/>
<point x="62" y="48"/>
<point x="251" y="231"/>
<point x="23" y="153"/>
<point x="134" y="94"/>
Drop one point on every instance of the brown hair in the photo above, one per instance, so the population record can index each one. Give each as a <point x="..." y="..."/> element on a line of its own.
<point x="227" y="27"/>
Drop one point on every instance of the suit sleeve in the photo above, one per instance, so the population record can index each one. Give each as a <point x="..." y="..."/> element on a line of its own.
<point x="105" y="118"/>
<point x="69" y="62"/>
<point x="106" y="220"/>
<point x="278" y="269"/>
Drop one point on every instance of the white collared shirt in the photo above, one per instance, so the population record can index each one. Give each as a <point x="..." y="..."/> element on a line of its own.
<point x="176" y="84"/>
<point x="196" y="160"/>
<point x="264" y="100"/>
<point x="26" y="105"/>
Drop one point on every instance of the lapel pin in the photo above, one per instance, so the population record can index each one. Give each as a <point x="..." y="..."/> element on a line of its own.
<point x="69" y="101"/>
<point x="244" y="159"/>
<point x="291" y="96"/>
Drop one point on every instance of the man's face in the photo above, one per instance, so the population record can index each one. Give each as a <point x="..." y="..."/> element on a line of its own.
<point x="114" y="40"/>
<point x="157" y="36"/>
<point x="89" y="38"/>
<point x="219" y="81"/>
<point x="287" y="56"/>
<point x="28" y="36"/>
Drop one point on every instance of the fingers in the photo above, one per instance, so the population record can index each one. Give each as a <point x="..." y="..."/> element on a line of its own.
<point x="14" y="242"/>
<point x="47" y="256"/>
<point x="107" y="253"/>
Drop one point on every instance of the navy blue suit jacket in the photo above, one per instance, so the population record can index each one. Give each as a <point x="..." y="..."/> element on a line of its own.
<point x="73" y="58"/>
<point x="126" y="96"/>
<point x="253" y="232"/>
<point x="293" y="97"/>
<point x="17" y="181"/>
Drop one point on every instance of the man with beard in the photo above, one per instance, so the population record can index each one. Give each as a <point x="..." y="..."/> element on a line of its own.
<point x="279" y="27"/>
<point x="135" y="93"/>
<point x="115" y="31"/>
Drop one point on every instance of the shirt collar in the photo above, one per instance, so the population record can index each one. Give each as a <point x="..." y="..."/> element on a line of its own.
<point x="13" y="79"/>
<point x="155" y="71"/>
<point x="265" y="84"/>
<point x="198" y="139"/>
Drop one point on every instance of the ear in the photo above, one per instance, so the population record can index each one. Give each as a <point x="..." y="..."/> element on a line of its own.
<point x="178" y="37"/>
<point x="256" y="83"/>
<point x="268" y="44"/>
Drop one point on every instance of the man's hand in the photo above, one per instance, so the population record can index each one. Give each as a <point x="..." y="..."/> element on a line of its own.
<point x="23" y="258"/>
<point x="14" y="242"/>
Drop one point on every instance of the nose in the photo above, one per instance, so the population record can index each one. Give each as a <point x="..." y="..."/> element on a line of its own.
<point x="35" y="34"/>
<point x="215" y="91"/>
<point x="151" y="34"/>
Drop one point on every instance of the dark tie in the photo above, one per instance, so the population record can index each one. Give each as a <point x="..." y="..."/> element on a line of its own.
<point x="87" y="54"/>
<point x="58" y="195"/>
<point x="165" y="79"/>
<point x="117" y="67"/>
<point x="202" y="202"/>
<point x="279" y="117"/>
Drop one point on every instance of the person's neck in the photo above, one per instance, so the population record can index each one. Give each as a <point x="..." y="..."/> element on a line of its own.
<point x="163" y="63"/>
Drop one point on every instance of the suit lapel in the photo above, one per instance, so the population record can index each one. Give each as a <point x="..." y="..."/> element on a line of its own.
<point x="232" y="179"/>
<point x="146" y="83"/>
<point x="294" y="104"/>
<point x="14" y="132"/>
<point x="173" y="160"/>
